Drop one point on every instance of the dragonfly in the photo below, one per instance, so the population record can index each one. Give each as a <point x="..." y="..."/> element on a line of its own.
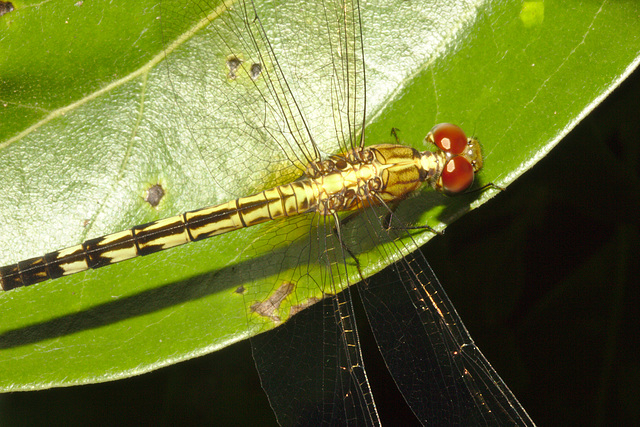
<point x="363" y="177"/>
<point x="336" y="211"/>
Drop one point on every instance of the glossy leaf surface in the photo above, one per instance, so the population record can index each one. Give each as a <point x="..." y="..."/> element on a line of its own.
<point x="82" y="143"/>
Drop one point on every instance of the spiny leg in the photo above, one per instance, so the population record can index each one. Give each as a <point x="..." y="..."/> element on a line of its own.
<point x="338" y="232"/>
<point x="388" y="226"/>
<point x="387" y="222"/>
<point x="394" y="133"/>
<point x="485" y="187"/>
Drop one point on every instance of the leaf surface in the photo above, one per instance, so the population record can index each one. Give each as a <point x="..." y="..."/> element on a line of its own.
<point x="89" y="123"/>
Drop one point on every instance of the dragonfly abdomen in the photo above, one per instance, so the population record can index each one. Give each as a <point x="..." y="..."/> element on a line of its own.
<point x="285" y="200"/>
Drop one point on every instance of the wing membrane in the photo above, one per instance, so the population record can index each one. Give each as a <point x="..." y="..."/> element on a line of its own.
<point x="292" y="78"/>
<point x="348" y="85"/>
<point x="436" y="364"/>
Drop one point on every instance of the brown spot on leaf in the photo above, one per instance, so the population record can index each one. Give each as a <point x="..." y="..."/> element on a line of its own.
<point x="295" y="309"/>
<point x="255" y="71"/>
<point x="5" y="7"/>
<point x="233" y="63"/>
<point x="154" y="194"/>
<point x="270" y="307"/>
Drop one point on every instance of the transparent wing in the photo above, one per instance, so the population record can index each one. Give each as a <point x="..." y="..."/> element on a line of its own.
<point x="292" y="79"/>
<point x="343" y="25"/>
<point x="440" y="371"/>
<point x="310" y="365"/>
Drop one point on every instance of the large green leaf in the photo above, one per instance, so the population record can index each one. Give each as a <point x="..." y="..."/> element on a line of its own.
<point x="83" y="142"/>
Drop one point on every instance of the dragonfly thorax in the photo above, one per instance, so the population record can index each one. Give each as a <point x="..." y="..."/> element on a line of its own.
<point x="389" y="173"/>
<point x="384" y="173"/>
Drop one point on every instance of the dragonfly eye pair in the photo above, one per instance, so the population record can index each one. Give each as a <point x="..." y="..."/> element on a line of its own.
<point x="462" y="157"/>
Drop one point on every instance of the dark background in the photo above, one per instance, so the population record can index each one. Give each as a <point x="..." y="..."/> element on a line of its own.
<point x="544" y="277"/>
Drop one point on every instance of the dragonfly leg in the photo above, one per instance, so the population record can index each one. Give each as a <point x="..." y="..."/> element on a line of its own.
<point x="388" y="226"/>
<point x="387" y="221"/>
<point x="389" y="217"/>
<point x="394" y="133"/>
<point x="485" y="187"/>
<point x="338" y="233"/>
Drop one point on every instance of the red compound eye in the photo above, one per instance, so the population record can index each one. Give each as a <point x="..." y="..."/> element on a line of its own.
<point x="457" y="175"/>
<point x="448" y="137"/>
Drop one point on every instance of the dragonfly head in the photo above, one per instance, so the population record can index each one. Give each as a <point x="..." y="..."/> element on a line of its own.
<point x="462" y="158"/>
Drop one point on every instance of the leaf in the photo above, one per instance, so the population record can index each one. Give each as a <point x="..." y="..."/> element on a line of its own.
<point x="83" y="143"/>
